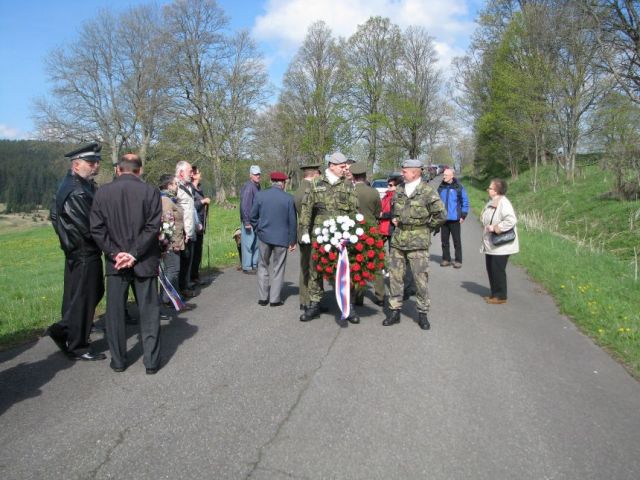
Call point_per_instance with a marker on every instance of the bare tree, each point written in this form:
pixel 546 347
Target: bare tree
pixel 88 103
pixel 243 91
pixel 619 35
pixel 313 91
pixel 414 104
pixel 372 54
pixel 195 34
pixel 578 82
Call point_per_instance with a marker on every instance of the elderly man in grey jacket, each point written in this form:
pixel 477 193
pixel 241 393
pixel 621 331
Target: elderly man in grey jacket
pixel 273 218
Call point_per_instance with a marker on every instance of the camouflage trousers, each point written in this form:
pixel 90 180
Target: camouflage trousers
pixel 419 264
pixel 305 268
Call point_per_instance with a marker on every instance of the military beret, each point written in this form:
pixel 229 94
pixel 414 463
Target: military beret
pixel 337 158
pixel 310 167
pixel 89 153
pixel 278 177
pixel 412 163
pixel 358 168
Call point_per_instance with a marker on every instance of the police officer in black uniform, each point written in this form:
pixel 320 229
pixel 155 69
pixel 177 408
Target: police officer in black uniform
pixel 83 278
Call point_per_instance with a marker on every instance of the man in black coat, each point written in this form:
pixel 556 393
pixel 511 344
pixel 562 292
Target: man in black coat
pixel 83 282
pixel 125 222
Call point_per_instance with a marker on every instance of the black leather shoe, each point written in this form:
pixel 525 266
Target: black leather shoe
pixel 276 304
pixel 152 371
pixel 263 302
pixel 311 312
pixel 353 318
pixel 87 357
pixel 392 318
pixel 57 338
pixel 423 321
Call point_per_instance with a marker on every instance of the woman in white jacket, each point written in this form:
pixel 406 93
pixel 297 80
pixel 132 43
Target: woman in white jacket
pixel 498 217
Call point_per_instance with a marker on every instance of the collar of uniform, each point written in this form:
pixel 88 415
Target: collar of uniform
pixel 410 187
pixel 331 178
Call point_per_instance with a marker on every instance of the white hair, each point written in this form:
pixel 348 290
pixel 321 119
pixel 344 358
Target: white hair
pixel 181 166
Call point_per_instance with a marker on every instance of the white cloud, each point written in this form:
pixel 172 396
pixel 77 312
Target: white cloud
pixel 285 23
pixel 10 133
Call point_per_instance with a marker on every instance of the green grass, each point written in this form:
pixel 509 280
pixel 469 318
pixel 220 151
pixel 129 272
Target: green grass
pixel 32 267
pixel 580 248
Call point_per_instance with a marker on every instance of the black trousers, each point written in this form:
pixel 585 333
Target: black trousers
pixel 197 257
pixel 83 290
pixel 451 227
pixel 186 259
pixel 146 289
pixel 497 271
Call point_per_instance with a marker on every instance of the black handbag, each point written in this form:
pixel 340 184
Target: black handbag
pixel 504 237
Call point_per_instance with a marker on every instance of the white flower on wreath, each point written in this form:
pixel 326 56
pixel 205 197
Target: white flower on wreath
pixel 327 247
pixel 346 235
pixel 326 223
pixel 317 231
pixel 359 217
pixel 353 239
pixel 320 239
pixel 332 228
pixel 359 231
pixel 325 232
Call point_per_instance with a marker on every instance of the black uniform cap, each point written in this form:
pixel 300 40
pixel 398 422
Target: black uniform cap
pixel 89 153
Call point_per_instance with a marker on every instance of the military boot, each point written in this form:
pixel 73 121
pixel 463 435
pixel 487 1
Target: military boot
pixel 310 312
pixel 392 318
pixel 423 321
pixel 353 316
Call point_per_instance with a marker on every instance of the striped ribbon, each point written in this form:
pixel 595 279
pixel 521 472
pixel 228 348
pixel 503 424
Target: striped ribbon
pixel 343 282
pixel 172 293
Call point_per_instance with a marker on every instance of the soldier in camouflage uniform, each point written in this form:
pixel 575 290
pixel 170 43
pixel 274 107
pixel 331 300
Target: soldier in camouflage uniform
pixel 310 172
pixel 329 195
pixel 416 212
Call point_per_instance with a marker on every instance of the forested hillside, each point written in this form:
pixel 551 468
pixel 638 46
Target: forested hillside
pixel 29 173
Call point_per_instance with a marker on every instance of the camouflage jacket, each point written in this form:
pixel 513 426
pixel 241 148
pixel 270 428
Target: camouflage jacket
pixel 324 201
pixel 417 217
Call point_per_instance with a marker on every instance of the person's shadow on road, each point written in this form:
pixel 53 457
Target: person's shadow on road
pixel 25 379
pixel 475 288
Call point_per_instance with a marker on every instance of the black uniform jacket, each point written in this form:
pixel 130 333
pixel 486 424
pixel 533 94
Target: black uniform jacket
pixel 126 217
pixel 69 215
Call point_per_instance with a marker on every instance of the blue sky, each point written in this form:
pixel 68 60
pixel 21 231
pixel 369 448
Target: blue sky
pixel 29 29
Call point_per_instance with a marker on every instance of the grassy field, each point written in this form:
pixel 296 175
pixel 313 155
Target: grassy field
pixel 32 266
pixel 580 247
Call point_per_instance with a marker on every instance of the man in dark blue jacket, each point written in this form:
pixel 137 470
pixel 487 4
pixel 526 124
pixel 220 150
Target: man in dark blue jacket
pixel 273 219
pixel 456 201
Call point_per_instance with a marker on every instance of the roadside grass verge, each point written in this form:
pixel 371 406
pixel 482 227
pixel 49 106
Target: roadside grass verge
pixel 32 270
pixel 565 246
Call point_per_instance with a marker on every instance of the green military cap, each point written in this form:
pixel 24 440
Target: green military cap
pixel 314 166
pixel 412 163
pixel 358 168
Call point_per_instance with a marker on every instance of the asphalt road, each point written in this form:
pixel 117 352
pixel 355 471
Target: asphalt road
pixel 510 391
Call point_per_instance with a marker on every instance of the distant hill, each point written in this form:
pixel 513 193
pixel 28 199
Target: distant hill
pixel 30 171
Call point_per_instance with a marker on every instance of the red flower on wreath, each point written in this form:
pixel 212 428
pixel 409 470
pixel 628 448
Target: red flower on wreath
pixel 364 244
